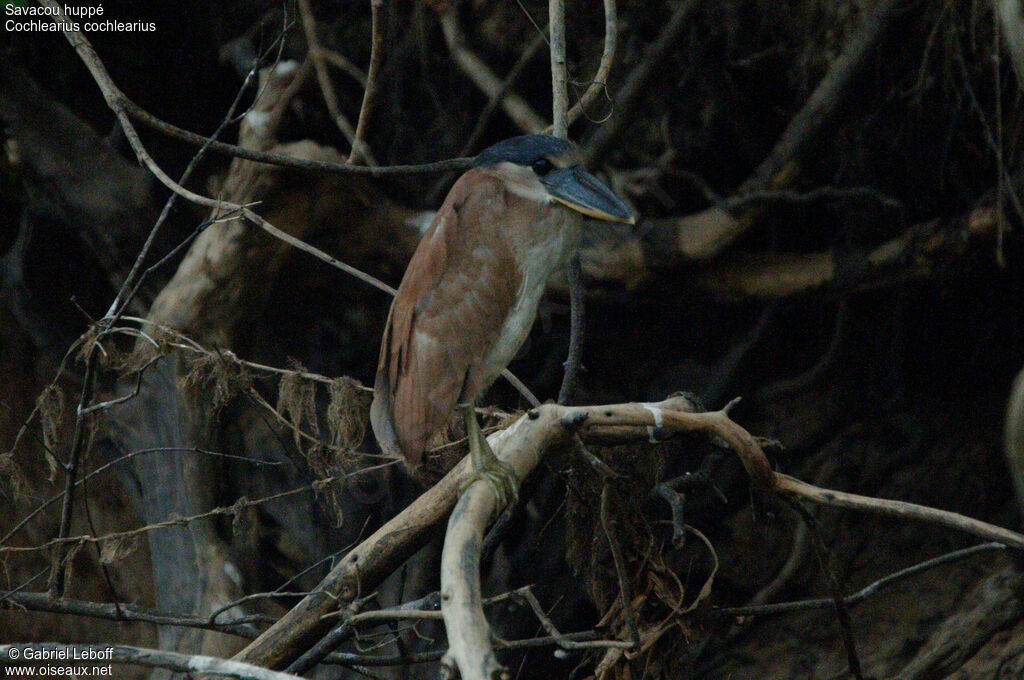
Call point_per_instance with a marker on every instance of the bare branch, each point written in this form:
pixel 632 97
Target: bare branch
pixel 175 521
pixel 122 611
pixel 599 83
pixel 481 74
pixel 148 119
pixel 323 77
pixel 359 147
pixel 635 84
pixel 625 585
pixel 342 63
pixel 469 635
pixel 908 256
pixel 902 509
pixel 559 87
pixel 57 577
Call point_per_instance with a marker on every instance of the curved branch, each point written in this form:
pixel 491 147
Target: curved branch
pixel 883 506
pixel 359 147
pixel 600 81
pixel 364 568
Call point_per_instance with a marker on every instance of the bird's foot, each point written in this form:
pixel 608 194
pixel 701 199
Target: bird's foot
pixel 500 476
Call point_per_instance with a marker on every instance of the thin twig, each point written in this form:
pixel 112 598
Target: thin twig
pixel 175 521
pixel 1013 440
pixel 577 320
pixel 635 84
pixel 625 583
pixel 57 577
pixel 148 119
pixel 599 83
pixel 838 600
pixel 359 147
pixel 862 594
pixel 71 351
pixel 827 193
pixel 902 509
pixel 120 459
pixel 122 611
pixel 322 649
pixel 342 63
pixel 322 76
pixel 130 286
pixel 561 640
pixel 348 659
pixel 559 79
pixel 103 405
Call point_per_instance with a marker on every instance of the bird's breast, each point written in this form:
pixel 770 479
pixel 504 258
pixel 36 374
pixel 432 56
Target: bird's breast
pixel 537 263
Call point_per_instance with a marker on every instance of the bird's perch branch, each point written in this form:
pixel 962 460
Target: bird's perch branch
pixel 522 445
pixel 365 567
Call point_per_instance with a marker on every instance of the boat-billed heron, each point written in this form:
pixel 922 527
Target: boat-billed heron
pixel 470 294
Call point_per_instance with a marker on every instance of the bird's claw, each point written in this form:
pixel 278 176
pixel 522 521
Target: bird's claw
pixel 500 476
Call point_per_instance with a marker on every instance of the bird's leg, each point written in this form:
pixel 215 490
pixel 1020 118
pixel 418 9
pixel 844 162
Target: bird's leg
pixel 486 465
pixel 577 315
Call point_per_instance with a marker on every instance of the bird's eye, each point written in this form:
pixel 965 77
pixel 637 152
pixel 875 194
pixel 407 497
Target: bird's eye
pixel 542 166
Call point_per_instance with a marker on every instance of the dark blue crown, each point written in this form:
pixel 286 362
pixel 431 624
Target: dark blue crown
pixel 523 150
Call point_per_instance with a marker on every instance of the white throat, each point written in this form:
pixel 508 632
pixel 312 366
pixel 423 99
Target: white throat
pixel 521 181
